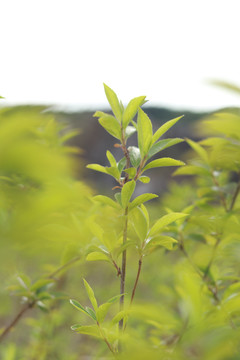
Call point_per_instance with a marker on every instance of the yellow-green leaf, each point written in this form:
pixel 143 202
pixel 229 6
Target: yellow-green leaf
pixel 113 102
pixel 144 132
pixel 163 162
pixel 164 128
pixel 132 109
pixel 164 221
pixel 91 295
pixel 127 192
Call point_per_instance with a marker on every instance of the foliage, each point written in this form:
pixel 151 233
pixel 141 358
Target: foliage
pixel 176 260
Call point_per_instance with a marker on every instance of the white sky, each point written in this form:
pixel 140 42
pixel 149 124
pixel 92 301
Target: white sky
pixel 60 52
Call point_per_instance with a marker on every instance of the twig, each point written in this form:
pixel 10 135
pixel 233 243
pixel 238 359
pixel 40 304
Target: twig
pixel 124 264
pixel 30 305
pixel 16 320
pixel 136 281
pixel 235 195
pixel 105 339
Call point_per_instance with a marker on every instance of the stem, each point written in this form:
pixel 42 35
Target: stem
pixel 136 281
pixel 222 197
pixel 70 262
pixel 105 339
pixel 235 195
pixel 211 259
pixel 31 304
pixel 124 263
pixel 16 320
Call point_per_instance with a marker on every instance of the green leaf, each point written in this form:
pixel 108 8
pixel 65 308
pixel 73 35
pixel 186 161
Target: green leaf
pixel 1 97
pixel 139 221
pixel 162 240
pixel 164 128
pixel 106 200
pixel 115 298
pixel 226 85
pixel 119 316
pixel 164 221
pixel 130 130
pixel 78 306
pixel 97 256
pixel 199 150
pixel 40 284
pixel 91 295
pixel 118 198
pixel 111 159
pixel 111 125
pixel 91 313
pixel 192 170
pixel 113 102
pixel 24 281
pixel 102 312
pixel 131 172
pixel 135 156
pixel 141 199
pixel 144 132
pixel 100 114
pixel 132 109
pixel 87 330
pixel 121 164
pixel 163 144
pixel 126 193
pixel 144 179
pixel 114 172
pixel 163 162
pixel 97 167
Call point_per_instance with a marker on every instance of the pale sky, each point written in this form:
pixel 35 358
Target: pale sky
pixel 61 52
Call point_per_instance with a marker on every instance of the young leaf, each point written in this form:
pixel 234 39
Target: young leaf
pixel 111 125
pixel 135 156
pixel 127 192
pixel 97 256
pixel 106 200
pixel 24 281
pixel 141 199
pixel 132 109
pixel 113 102
pixel 114 172
pixel 40 284
pixel 161 145
pixel 144 132
pixel 91 295
pixel 91 313
pixel 119 316
pixel 164 221
pixel 130 130
pixel 131 172
pixel 164 128
pixel 97 167
pixel 118 198
pixel 78 306
pixel 199 150
pixel 121 164
pixel 192 170
pixel 139 222
pixel 102 312
pixel 162 240
pixel 111 159
pixel 87 330
pixel 144 179
pixel 163 162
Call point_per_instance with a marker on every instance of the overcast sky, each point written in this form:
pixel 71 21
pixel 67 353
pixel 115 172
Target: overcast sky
pixel 60 52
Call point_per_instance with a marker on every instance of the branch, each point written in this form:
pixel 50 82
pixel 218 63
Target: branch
pixel 16 320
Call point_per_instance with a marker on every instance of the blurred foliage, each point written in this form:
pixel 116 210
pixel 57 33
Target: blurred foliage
pixel 187 304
